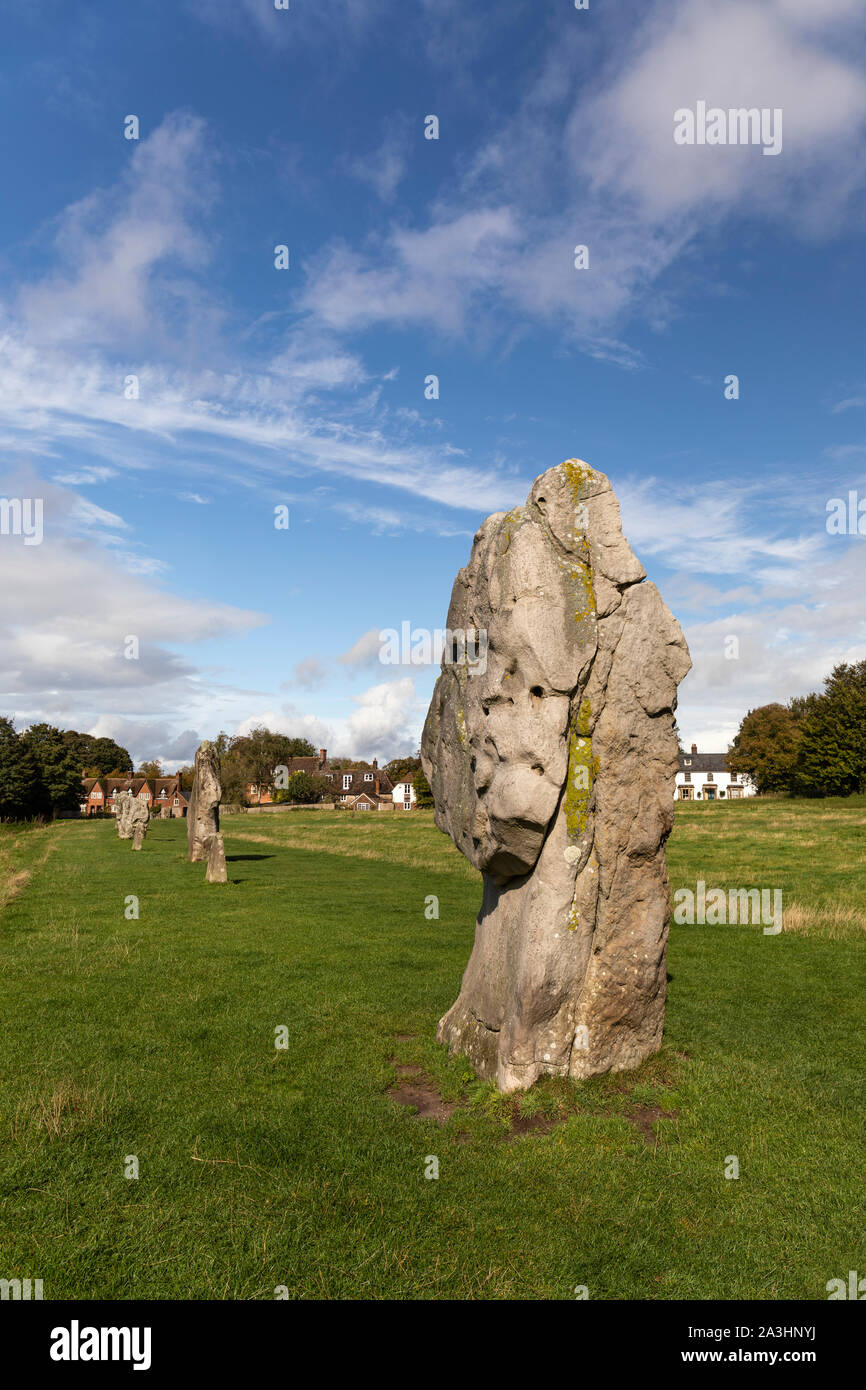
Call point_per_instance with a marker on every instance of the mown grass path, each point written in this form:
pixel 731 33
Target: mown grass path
pixel 260 1168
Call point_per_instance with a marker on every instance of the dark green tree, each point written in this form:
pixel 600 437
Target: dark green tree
pixel 109 757
pixel 402 769
pixel 301 788
pixel 21 795
pixel 767 747
pixel 831 759
pixel 423 794
pixel 59 771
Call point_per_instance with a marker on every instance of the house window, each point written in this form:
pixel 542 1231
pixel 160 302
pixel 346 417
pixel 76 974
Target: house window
pixel 347 780
pixel 362 806
pixel 407 805
pixel 733 776
pixel 687 762
pixel 687 776
pixel 368 776
pixel 177 801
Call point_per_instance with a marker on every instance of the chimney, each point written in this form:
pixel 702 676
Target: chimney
pixel 323 756
pixel 377 781
pixel 694 749
pixel 375 762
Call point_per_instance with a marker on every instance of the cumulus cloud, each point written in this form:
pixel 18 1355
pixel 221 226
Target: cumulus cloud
pixel 149 740
pixel 599 158
pixel 386 723
pixel 69 605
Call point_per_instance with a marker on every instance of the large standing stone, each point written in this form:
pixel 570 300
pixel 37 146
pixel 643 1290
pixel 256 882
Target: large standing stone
pixel 216 861
pixel 203 816
pixel 553 770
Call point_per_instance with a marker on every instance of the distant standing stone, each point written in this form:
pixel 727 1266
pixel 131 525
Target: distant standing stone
pixel 203 817
pixel 121 815
pixel 136 819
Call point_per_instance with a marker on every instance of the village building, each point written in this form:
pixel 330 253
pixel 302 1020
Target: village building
pixel 316 766
pixel 403 796
pixel 160 794
pixel 363 789
pixel 358 789
pixel 707 777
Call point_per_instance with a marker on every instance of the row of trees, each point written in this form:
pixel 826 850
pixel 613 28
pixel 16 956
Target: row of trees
pixel 41 769
pixel 815 745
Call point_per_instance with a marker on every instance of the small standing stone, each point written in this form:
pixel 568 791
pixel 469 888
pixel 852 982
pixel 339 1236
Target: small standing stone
pixel 136 817
pixel 216 861
pixel 121 812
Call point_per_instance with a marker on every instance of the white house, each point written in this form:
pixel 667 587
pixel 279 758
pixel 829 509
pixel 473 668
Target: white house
pixel 705 777
pixel 403 796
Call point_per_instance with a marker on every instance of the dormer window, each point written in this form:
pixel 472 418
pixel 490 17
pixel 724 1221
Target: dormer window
pixel 687 762
pixel 347 780
pixel 368 776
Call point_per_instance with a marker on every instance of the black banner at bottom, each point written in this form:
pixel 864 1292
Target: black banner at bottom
pixel 152 1338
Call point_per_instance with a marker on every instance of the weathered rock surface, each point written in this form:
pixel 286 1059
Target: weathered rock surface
pixel 216 861
pixel 136 818
pixel 122 809
pixel 203 816
pixel 553 772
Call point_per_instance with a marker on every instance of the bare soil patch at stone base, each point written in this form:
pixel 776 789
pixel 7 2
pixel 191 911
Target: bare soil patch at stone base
pixel 421 1092
pixel 645 1117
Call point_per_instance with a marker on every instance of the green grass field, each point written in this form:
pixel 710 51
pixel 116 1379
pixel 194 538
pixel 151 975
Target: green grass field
pixel 261 1168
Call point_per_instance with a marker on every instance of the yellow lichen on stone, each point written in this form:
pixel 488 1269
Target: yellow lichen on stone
pixel 582 772
pixel 581 576
pixel 578 474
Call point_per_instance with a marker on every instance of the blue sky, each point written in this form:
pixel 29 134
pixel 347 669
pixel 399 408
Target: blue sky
pixel 408 256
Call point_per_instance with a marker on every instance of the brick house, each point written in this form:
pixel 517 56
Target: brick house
pixel 159 794
pixel 362 789
pixel 316 766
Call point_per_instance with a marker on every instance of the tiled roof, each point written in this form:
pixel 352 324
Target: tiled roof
pixel 359 782
pixel 703 762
